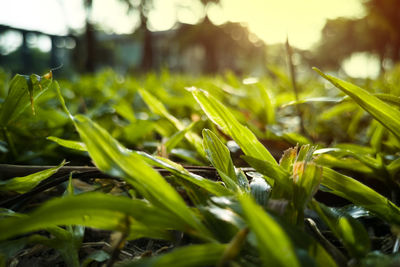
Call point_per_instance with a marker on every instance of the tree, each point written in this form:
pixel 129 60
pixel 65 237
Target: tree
pixel 143 7
pixel 339 39
pixel 378 32
pixel 385 19
pixel 90 39
pixel 227 46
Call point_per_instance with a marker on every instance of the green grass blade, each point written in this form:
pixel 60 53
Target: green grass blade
pixel 394 167
pixel 222 116
pixel 178 170
pixel 158 108
pixel 307 178
pixel 356 148
pixel 219 156
pixel 344 163
pixel 360 195
pixel 95 210
pixel 22 93
pixel 24 184
pixel 273 243
pixel 388 98
pixel 270 115
pixel 279 175
pixel 176 138
pixel 193 256
pixel 363 158
pixel 387 115
pixel 114 159
pixel 348 230
pixel 124 109
pixel 68 143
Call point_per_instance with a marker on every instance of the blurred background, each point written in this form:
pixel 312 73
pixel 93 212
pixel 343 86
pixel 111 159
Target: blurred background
pixel 357 38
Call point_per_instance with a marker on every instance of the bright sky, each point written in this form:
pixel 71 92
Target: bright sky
pixel 271 20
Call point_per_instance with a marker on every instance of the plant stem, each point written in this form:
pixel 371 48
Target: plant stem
pixel 289 53
pixel 120 244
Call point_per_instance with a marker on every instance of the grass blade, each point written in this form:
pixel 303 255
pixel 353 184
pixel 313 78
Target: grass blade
pixel 158 108
pixel 22 93
pixel 68 143
pixel 219 156
pixel 178 170
pixel 94 210
pixel 360 195
pixel 387 115
pixel 221 116
pixel 176 138
pixel 273 244
pixel 24 184
pixel 193 255
pixel 114 159
pixel 347 229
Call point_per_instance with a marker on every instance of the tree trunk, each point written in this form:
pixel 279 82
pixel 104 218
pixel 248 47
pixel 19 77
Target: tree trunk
pixel 90 40
pixel 147 57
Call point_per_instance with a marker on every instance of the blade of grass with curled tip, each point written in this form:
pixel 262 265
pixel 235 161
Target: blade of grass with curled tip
pixel 387 115
pixel 222 116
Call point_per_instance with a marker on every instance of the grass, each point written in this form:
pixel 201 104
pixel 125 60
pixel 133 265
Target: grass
pixel 273 214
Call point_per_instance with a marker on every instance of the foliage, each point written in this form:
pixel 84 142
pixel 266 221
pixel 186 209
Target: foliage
pixel 272 214
pixel 376 32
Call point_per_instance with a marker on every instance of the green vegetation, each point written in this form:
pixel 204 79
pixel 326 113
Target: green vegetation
pixel 153 139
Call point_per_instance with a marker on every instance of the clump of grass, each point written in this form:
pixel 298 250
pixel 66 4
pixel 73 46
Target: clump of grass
pixel 269 214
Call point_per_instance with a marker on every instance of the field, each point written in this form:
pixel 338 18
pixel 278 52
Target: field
pixel 172 170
